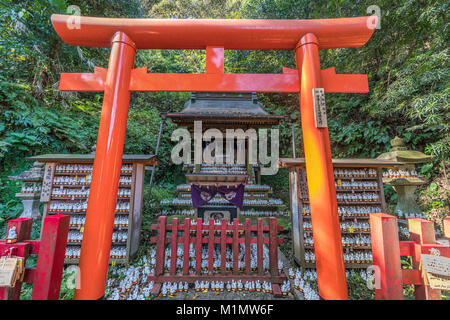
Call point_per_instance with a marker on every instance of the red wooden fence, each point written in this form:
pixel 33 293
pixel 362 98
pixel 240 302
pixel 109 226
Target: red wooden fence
pixel 387 250
pixel 46 277
pixel 233 235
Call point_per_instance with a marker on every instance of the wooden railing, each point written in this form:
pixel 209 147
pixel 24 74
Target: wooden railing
pixel 223 234
pixel 387 250
pixel 46 277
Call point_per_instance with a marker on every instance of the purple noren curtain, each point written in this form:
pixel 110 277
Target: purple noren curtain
pixel 201 195
pixel 233 194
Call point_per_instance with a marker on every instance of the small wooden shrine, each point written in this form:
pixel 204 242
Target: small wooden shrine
pixel 359 192
pixel 225 111
pixel 65 190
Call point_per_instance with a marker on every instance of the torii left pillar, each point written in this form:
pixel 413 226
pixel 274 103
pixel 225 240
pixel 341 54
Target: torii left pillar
pixel 96 244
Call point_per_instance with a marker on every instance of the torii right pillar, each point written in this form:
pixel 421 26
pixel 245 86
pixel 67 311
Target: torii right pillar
pixel 319 170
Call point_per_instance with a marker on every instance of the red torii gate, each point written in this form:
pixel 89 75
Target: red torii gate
pixel 125 36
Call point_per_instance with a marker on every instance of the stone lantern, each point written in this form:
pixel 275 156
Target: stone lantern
pixel 404 179
pixel 30 193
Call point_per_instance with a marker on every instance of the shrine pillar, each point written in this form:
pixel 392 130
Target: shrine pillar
pixel 322 193
pixel 96 244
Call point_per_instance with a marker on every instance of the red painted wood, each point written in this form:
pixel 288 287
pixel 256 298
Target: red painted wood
pixel 29 275
pixel 102 200
pixel 273 247
pixel 235 246
pixel 323 205
pixel 214 60
pixel 20 250
pixel 446 223
pixel 406 248
pixel 23 228
pixel 260 246
pixel 187 238
pixel 211 246
pixel 422 242
pixel 422 233
pixel 333 82
pixel 223 246
pixel 173 82
pixel 247 246
pixel 160 245
pixel 35 244
pixel 234 34
pixel 217 240
pixel 386 256
pixel 444 251
pixel 206 227
pixel 50 263
pixel 276 291
pixel 231 34
pixel 208 237
pixel 198 247
pixel 156 287
pixel 412 276
pixel 4 248
pixel 173 255
pixel 214 81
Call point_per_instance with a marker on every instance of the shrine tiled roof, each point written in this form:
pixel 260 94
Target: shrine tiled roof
pixel 243 108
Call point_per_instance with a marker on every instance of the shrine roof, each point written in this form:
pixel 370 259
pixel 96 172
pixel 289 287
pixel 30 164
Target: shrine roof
pixel 214 178
pixel 224 108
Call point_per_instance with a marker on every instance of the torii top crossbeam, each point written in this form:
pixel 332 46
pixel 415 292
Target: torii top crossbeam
pixel 215 36
pixel 234 34
pixel 125 36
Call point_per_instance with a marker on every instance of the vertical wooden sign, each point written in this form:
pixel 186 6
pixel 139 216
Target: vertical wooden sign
pixel 47 182
pixel 320 109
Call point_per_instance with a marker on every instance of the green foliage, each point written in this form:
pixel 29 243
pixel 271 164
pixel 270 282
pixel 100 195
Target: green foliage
pixel 68 283
pixel 189 9
pixel 10 206
pixel 435 200
pixel 66 292
pixel 357 288
pixel 278 184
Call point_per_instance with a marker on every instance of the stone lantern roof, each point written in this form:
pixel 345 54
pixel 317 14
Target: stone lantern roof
pixel 400 153
pixel 35 174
